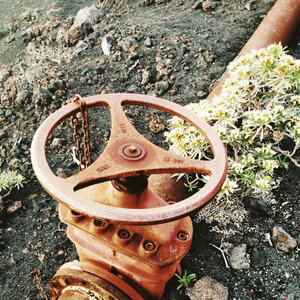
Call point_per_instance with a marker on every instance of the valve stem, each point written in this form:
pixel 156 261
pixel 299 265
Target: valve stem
pixel 131 185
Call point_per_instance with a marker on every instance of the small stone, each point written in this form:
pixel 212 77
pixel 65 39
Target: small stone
pixel 22 97
pixel 148 2
pixel 239 258
pixel 161 87
pixel 207 289
pixel 56 142
pixel 197 4
pixel 46 94
pixel 61 173
pixel 201 94
pixel 35 31
pixel 145 77
pixel 81 46
pixel 38 245
pixel 208 5
pixel 3 31
pixel 8 113
pixel 201 62
pixel 15 163
pixel 258 259
pixel 46 220
pixel 14 207
pixel 168 62
pixel 257 206
pixel 235 239
pixel 282 240
pixel 133 88
pixel 27 36
pixel 25 166
pixel 172 92
pixel 25 251
pixel 133 55
pixel 156 126
pixel 252 241
pixel 10 38
pixel 106 45
pixel 17 152
pixel 61 36
pixel 60 252
pixel 83 23
pixel 4 75
pixel 27 15
pixel 209 58
pixel 3 153
pixel 55 84
pixel 59 93
pixel 12 261
pixel 250 4
pixel 148 42
pixel 128 44
pixel 41 257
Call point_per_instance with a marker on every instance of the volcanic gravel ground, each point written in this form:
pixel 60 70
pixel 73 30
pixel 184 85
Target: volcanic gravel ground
pixel 171 49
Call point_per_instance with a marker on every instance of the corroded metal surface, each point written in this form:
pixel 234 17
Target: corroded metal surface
pixel 112 164
pixel 84 281
pixel 131 240
pixel 146 257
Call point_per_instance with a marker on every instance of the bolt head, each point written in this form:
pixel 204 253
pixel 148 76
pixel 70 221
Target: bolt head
pixel 132 151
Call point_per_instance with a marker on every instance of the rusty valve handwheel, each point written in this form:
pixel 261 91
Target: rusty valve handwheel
pixel 127 154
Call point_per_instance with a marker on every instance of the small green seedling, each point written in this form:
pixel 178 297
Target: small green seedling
pixel 185 280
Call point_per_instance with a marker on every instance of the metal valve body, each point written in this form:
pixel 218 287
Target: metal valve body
pixel 145 257
pixel 130 240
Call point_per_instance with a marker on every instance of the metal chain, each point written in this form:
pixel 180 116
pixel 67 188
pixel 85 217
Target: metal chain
pixel 86 151
pixel 37 274
pixel 80 153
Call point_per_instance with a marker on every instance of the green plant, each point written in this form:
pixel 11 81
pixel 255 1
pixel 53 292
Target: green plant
pixel 9 180
pixel 185 280
pixel 256 115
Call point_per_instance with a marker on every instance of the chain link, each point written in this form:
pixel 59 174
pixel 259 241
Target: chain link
pixel 37 274
pixel 84 152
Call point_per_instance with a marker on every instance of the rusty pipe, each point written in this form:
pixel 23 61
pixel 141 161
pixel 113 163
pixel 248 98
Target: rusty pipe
pixel 277 26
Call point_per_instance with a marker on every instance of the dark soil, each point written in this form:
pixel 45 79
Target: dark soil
pixel 189 49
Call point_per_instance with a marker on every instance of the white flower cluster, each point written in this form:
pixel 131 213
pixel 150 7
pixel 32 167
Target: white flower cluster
pixel 8 180
pixel 258 108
